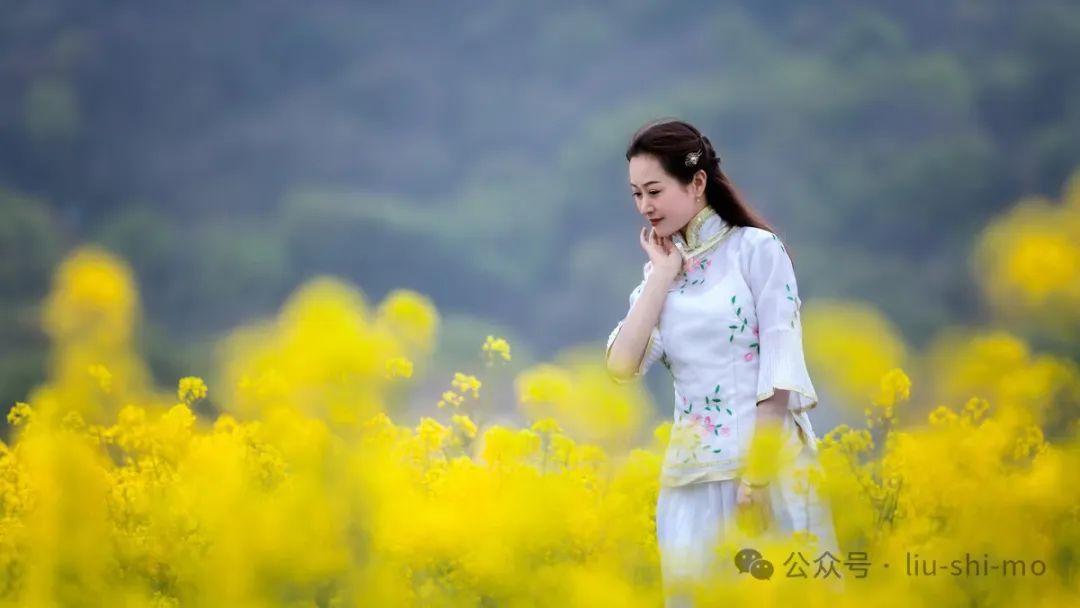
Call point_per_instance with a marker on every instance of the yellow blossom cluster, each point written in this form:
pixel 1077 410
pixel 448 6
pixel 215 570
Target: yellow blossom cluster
pixel 399 367
pixel 493 347
pixel 464 383
pixel 327 352
pixel 191 389
pixel 1028 261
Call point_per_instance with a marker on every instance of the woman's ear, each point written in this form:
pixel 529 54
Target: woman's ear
pixel 700 180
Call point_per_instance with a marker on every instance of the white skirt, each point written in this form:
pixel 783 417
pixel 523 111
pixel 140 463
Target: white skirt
pixel 698 536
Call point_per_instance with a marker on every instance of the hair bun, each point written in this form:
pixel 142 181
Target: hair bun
pixel 710 152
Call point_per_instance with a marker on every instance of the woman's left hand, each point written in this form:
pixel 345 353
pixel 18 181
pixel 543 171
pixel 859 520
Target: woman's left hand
pixel 754 502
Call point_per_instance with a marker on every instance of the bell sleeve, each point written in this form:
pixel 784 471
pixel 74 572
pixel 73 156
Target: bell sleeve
pixel 654 349
pixel 781 363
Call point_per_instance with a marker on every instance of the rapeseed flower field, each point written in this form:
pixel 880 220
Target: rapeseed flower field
pixel 305 486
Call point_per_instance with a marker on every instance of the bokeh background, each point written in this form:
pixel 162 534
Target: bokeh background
pixel 919 160
pixel 474 152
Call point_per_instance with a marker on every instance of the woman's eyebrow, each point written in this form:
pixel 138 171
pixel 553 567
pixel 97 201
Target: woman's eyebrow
pixel 655 181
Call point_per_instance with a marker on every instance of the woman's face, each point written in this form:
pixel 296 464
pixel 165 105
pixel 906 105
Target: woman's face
pixel 665 203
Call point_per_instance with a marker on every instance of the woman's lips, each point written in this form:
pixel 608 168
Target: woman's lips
pixel 656 221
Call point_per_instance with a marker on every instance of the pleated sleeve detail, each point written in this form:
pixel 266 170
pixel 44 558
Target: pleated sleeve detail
pixel 782 363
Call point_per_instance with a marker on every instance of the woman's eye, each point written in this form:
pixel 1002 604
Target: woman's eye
pixel 654 192
pixel 636 194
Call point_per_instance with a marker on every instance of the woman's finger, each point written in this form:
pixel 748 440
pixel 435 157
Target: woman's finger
pixel 742 497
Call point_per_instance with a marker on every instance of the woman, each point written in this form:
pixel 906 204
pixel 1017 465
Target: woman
pixel 719 307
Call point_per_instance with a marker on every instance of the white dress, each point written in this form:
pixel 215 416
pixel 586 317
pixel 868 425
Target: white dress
pixel 730 334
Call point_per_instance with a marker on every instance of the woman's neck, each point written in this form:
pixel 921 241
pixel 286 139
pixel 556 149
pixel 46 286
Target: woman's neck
pixel 695 222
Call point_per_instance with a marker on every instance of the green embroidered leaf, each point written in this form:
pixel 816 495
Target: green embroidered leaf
pixel 729 412
pixel 717 389
pixel 717 450
pixel 731 338
pixel 732 299
pixel 733 326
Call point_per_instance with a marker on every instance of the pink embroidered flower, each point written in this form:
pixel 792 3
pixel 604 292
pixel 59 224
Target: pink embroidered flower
pixel 689 263
pixel 748 356
pixel 755 330
pixel 709 426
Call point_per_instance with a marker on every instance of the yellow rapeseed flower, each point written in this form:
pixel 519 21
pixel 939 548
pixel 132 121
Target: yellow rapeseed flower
pixel 20 413
pixel 849 347
pixel 73 421
pixel 463 422
pixel 975 408
pixel 496 346
pixel 942 416
pixel 895 387
pixel 1028 259
pixel 546 425
pixel 432 434
pixel 191 389
pixel 450 398
pixel 765 457
pixel 93 297
pixel 399 367
pixel 102 375
pixel 466 383
pixel 410 316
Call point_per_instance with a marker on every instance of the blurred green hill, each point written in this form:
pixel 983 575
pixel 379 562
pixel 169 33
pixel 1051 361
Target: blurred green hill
pixel 474 152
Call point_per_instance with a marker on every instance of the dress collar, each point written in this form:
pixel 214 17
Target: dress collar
pixel 703 231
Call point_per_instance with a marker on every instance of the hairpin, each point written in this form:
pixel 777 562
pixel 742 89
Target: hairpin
pixel 692 158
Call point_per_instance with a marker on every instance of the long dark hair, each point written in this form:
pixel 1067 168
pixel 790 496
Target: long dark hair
pixel 670 141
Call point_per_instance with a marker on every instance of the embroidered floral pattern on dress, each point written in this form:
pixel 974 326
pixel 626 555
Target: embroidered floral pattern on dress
pixel 706 424
pixel 692 438
pixel 754 345
pixel 795 303
pixel 738 315
pixel 710 402
pixel 791 295
pixel 693 273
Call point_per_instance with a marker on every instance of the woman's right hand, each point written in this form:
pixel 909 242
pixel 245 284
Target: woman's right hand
pixel 665 257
